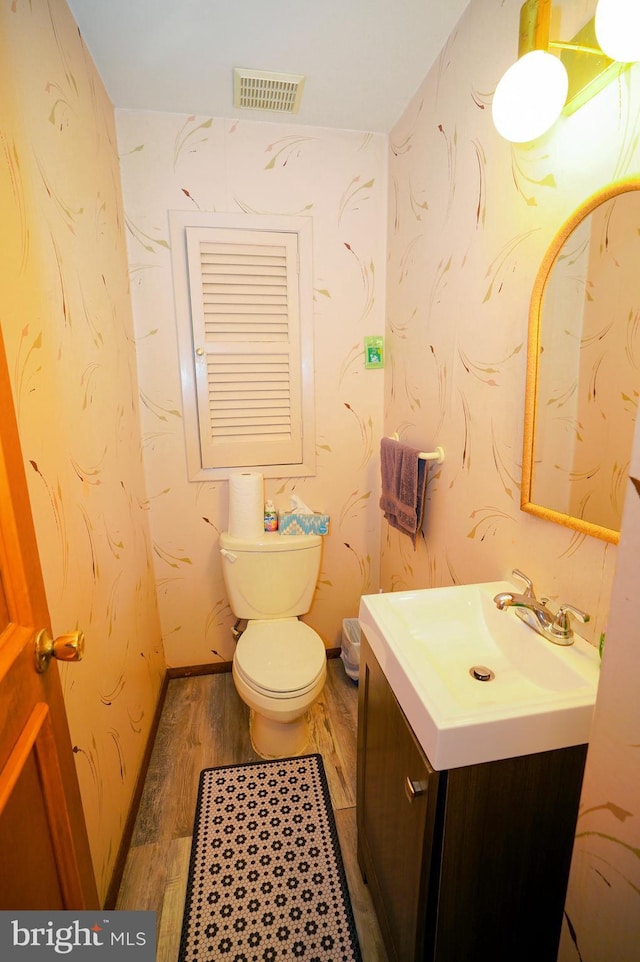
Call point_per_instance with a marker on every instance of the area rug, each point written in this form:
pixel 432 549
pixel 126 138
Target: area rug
pixel 266 878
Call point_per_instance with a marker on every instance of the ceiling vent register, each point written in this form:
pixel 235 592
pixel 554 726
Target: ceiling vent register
pixel 265 90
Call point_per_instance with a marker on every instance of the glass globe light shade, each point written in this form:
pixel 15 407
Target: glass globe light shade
pixel 530 96
pixel 618 29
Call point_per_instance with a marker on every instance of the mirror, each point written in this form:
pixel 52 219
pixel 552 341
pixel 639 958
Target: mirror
pixel 583 367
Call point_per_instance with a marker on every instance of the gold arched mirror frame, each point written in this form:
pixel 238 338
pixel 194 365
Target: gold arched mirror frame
pixel 534 353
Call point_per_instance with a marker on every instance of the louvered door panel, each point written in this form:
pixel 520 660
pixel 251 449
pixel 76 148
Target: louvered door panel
pixel 244 301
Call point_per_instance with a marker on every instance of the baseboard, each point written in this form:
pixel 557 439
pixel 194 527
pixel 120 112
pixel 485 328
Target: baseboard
pixel 186 671
pixel 127 835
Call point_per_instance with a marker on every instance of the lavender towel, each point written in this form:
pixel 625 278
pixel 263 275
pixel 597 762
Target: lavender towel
pixel 404 476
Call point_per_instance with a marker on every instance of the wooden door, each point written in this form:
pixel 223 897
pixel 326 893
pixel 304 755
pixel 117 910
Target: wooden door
pixel 44 851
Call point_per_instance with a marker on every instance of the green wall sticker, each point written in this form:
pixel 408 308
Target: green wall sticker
pixel 374 351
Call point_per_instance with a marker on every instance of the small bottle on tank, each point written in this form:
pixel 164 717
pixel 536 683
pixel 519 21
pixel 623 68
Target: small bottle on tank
pixel 270 517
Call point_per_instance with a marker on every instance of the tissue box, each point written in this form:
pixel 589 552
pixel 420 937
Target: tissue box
pixel 292 522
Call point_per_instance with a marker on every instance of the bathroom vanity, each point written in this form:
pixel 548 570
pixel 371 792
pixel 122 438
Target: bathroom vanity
pixel 464 859
pixel 470 863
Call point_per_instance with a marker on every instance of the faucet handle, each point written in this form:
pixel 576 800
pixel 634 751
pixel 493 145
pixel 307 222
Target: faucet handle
pixel 529 591
pixel 562 624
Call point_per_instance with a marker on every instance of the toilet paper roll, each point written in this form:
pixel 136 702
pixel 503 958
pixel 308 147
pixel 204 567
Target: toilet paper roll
pixel 246 505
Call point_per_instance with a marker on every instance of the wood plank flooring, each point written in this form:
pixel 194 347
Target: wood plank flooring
pixel 204 723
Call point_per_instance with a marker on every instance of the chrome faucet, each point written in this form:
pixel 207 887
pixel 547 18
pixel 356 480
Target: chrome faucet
pixel 556 628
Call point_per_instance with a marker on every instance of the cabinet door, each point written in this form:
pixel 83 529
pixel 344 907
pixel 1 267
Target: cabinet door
pixel 396 803
pixel 508 830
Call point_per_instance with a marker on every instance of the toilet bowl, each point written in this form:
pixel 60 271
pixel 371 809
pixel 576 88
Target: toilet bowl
pixel 279 670
pixel 279 666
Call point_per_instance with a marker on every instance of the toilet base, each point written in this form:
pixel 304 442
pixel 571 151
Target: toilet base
pixel 279 727
pixel 275 739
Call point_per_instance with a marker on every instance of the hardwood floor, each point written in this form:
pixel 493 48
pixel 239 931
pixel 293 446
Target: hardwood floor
pixel 203 724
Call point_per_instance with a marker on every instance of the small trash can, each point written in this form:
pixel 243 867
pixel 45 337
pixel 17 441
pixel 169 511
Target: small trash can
pixel 350 649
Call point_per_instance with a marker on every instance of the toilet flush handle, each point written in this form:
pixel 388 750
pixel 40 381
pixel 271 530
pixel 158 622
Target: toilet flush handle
pixel 229 555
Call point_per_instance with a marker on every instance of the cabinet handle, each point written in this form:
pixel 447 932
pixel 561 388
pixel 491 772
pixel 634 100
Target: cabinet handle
pixel 413 789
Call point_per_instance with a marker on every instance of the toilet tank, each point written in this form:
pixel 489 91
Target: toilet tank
pixel 272 576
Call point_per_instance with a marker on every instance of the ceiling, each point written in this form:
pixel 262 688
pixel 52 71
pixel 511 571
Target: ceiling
pixel 362 59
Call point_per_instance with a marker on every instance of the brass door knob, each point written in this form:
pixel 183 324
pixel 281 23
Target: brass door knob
pixel 67 647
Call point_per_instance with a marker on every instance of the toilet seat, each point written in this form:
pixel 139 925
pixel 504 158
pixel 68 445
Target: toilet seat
pixel 280 658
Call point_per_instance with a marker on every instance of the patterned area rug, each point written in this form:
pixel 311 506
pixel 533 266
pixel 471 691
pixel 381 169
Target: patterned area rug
pixel 266 879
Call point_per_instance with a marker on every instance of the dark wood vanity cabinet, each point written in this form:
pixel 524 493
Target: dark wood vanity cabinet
pixel 465 864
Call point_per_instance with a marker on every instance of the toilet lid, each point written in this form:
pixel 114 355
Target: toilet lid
pixel 280 658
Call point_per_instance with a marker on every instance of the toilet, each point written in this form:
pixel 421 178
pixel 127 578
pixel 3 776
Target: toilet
pixel 279 666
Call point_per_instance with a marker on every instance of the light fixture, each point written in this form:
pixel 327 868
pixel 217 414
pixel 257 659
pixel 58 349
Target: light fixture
pixel 618 29
pixel 540 85
pixel 530 97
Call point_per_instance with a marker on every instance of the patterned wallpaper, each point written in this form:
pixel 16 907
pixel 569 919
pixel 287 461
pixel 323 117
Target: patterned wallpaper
pixel 66 320
pixel 338 179
pixel 470 219
pixel 601 912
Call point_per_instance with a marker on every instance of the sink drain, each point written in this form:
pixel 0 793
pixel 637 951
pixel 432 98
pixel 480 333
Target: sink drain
pixel 481 673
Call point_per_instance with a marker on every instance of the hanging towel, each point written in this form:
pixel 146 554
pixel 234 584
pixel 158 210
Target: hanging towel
pixel 404 476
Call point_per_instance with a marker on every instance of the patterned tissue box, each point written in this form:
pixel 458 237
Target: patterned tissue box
pixel 292 522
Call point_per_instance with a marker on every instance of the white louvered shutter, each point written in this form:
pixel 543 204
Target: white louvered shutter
pixel 246 330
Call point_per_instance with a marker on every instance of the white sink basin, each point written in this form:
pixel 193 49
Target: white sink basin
pixel 540 696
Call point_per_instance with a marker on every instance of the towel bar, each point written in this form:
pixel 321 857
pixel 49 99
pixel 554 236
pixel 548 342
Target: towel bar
pixel 437 455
